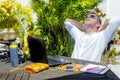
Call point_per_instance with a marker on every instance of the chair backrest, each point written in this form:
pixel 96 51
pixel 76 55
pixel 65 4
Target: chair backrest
pixel 107 52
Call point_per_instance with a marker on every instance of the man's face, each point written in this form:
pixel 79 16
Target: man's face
pixel 92 23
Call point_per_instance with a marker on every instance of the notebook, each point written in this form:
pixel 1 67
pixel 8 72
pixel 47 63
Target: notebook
pixel 93 68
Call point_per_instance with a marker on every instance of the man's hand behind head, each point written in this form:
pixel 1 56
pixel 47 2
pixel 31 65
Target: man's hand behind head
pixel 106 22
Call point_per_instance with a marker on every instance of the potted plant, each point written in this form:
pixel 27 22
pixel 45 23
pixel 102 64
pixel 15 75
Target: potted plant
pixel 16 17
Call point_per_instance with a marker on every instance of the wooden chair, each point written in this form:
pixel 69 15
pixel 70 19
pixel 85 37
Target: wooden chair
pixel 107 52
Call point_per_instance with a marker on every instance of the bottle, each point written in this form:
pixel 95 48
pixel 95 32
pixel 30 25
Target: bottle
pixel 14 54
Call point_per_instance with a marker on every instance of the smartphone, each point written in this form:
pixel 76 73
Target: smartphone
pixel 70 68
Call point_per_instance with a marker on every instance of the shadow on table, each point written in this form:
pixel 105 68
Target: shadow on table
pixel 88 76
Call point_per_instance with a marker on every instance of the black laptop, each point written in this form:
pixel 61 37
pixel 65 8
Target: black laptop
pixel 38 52
pixel 56 60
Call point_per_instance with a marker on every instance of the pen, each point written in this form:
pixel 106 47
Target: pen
pixel 92 68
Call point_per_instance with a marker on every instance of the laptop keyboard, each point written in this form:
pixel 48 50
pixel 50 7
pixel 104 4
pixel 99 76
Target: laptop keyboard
pixel 55 61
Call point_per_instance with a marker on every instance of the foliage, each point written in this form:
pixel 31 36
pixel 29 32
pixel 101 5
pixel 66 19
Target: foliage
pixel 14 15
pixel 113 53
pixel 51 17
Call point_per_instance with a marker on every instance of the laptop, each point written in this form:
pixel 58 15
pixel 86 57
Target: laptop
pixel 56 60
pixel 38 52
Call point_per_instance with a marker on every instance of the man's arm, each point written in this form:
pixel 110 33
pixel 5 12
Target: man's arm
pixel 76 24
pixel 81 27
pixel 112 27
pixel 72 29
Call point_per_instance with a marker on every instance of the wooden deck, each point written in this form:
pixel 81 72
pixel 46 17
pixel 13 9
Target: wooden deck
pixel 9 73
pixel 19 75
pixel 51 74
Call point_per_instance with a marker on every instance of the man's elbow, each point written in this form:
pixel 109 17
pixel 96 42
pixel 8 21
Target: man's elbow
pixel 67 22
pixel 115 20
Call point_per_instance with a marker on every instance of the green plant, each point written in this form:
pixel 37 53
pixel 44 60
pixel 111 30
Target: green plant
pixel 113 53
pixel 17 17
pixel 51 17
pixel 14 15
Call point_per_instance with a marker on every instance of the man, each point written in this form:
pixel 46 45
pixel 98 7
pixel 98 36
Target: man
pixel 90 44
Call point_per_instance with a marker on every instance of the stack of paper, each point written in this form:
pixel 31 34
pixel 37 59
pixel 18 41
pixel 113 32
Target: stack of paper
pixel 93 68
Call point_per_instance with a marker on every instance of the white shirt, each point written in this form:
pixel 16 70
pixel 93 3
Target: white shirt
pixel 91 46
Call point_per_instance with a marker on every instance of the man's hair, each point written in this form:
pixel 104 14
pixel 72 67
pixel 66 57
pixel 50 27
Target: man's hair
pixel 93 12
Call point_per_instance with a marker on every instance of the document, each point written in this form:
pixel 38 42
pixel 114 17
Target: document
pixel 93 68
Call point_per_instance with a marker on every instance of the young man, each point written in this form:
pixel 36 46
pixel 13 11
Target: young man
pixel 90 43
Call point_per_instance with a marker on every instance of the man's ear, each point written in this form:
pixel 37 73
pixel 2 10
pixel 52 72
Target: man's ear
pixel 98 25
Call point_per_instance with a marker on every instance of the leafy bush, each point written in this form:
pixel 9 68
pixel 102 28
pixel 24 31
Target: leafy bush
pixel 51 17
pixel 17 17
pixel 14 15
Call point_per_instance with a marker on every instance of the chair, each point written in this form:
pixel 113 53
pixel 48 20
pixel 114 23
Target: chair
pixel 107 52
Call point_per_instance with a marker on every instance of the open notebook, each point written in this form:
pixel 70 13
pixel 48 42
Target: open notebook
pixel 93 68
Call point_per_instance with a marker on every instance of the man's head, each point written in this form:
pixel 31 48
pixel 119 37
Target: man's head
pixel 92 22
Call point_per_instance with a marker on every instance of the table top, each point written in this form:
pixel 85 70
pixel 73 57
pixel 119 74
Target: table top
pixel 52 73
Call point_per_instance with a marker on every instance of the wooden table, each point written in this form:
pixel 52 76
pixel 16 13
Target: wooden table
pixel 52 73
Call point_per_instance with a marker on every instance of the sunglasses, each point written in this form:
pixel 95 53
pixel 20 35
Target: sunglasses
pixel 91 16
